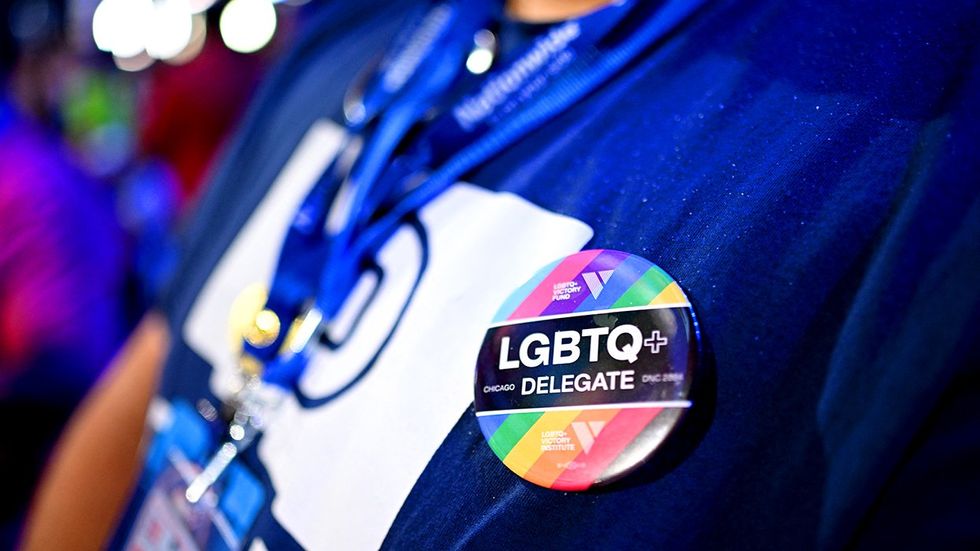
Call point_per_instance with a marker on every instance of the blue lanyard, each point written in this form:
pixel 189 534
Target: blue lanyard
pixel 316 269
pixel 381 115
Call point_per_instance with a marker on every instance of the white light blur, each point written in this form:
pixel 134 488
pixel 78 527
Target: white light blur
pixel 134 63
pixel 103 23
pixel 479 61
pixel 118 26
pixel 481 57
pixel 247 25
pixel 170 30
pixel 199 35
pixel 199 6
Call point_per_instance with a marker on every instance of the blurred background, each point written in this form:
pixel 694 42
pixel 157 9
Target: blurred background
pixel 111 113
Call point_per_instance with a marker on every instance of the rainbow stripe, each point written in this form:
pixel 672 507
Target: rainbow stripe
pixel 629 286
pixel 587 441
pixel 517 440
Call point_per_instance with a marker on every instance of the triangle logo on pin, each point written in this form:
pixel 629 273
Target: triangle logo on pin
pixel 596 281
pixel 587 432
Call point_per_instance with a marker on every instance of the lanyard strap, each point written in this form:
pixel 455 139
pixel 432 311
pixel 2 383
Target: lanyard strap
pixel 380 116
pixel 318 269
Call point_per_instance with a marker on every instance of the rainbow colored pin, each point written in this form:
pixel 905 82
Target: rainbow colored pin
pixel 586 369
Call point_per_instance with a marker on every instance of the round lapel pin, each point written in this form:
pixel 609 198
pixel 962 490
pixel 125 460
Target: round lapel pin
pixel 586 369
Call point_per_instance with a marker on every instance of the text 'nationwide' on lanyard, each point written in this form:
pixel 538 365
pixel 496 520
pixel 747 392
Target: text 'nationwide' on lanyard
pixel 346 218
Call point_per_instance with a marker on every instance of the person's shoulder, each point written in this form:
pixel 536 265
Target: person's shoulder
pixel 900 55
pixel 745 76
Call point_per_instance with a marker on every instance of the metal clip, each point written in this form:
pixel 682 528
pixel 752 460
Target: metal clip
pixel 256 402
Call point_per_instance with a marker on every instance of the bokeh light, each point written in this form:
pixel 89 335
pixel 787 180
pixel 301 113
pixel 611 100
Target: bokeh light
pixel 134 63
pixel 200 6
pixel 481 57
pixel 136 32
pixel 199 34
pixel 119 26
pixel 247 25
pixel 171 29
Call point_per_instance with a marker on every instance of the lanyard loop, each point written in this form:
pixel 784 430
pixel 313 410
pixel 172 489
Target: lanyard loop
pixel 318 269
pixel 396 98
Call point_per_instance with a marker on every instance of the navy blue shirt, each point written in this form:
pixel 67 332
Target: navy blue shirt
pixel 806 170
